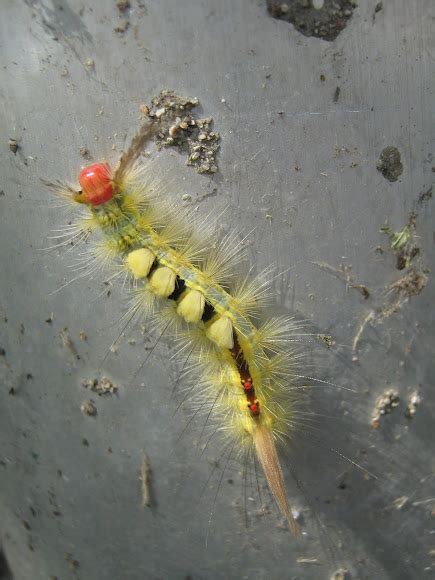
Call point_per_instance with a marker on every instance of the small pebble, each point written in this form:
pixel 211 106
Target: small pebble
pixel 88 408
pixel 123 5
pixel 13 145
pixel 173 130
pixel 89 64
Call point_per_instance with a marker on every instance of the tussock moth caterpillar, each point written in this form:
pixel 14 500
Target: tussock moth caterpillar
pixel 243 371
pixel 245 368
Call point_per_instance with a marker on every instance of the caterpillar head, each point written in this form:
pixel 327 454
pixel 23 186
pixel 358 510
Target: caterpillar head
pixel 96 183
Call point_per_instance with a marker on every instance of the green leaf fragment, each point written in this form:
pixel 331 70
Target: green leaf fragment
pixel 397 239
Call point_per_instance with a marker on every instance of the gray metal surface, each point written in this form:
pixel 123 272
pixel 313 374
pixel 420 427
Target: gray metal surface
pixel 298 163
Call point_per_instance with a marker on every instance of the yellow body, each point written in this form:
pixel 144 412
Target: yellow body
pixel 191 306
pixel 220 332
pixel 162 281
pixel 139 262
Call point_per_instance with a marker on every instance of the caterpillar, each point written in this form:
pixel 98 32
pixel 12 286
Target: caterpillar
pixel 243 369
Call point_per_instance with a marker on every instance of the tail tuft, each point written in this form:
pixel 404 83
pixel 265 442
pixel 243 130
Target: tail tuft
pixel 268 457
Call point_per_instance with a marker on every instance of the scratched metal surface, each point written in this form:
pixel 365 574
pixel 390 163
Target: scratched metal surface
pixel 298 167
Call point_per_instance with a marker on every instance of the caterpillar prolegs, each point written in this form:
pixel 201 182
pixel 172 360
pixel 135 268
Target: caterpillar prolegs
pixel 245 369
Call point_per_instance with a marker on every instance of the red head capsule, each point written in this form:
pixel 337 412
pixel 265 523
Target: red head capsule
pixel 96 183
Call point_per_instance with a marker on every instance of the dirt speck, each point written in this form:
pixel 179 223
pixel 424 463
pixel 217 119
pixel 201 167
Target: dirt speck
pixel 68 344
pixel 181 128
pixel 340 574
pixel 327 340
pixel 84 152
pixel 101 386
pixel 206 195
pixel 425 196
pixel 122 27
pixel 336 94
pixel 377 9
pixel 89 64
pixel 384 405
pixel 319 19
pixel 13 145
pixel 411 284
pixel 88 408
pixel 145 478
pixel 75 564
pixel 413 402
pixel 390 164
pixel 122 5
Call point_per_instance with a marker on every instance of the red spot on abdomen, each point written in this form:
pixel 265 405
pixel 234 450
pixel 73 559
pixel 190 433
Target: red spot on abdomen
pixel 96 183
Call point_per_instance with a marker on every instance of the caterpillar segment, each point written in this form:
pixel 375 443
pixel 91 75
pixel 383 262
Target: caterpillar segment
pixel 245 373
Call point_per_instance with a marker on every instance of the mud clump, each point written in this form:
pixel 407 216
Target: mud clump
pixel 425 196
pixel 13 145
pixel 101 386
pixel 390 164
pixel 412 284
pixel 385 404
pixel 180 127
pixel 313 17
pixel 413 403
pixel 122 5
pixel 379 6
pixel 88 408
